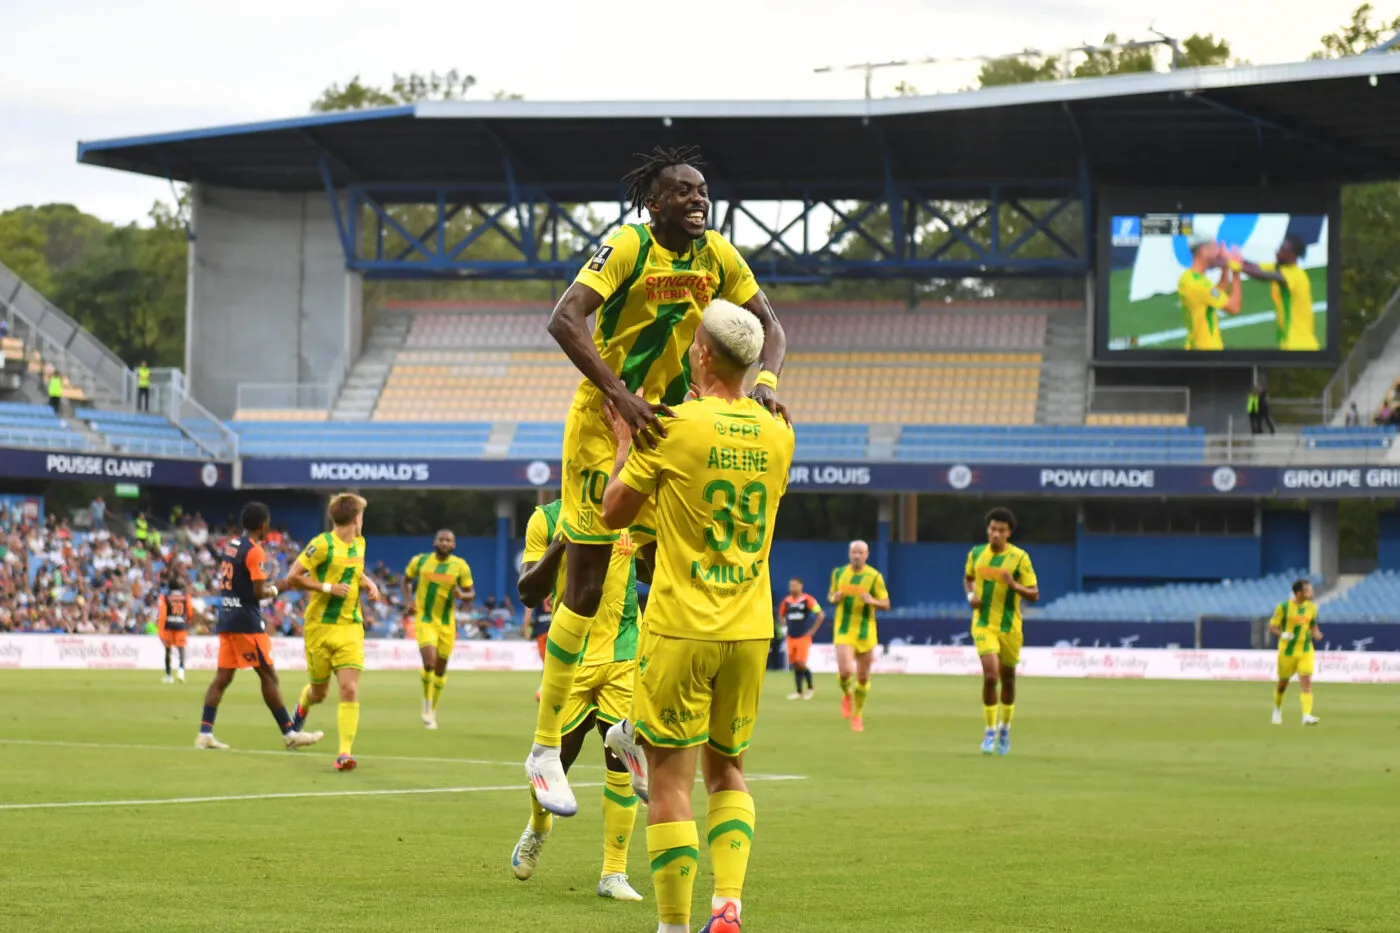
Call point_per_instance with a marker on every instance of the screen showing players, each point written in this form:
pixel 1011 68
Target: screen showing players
pixel 1202 283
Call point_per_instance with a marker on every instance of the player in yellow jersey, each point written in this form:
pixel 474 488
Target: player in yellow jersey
pixel 857 590
pixel 717 476
pixel 1295 625
pixel 331 569
pixel 998 576
pixel 442 578
pixel 647 287
pixel 1201 300
pixel 1291 290
pixel 602 694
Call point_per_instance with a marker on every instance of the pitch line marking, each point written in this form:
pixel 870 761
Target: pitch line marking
pixel 297 795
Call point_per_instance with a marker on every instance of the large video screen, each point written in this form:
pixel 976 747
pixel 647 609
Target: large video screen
pixel 1196 285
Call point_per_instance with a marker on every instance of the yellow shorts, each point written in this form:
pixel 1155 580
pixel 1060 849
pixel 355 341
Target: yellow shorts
pixel 442 637
pixel 605 689
pixel 690 692
pixel 589 452
pixel 332 647
pixel 1300 664
pixel 852 634
pixel 1005 645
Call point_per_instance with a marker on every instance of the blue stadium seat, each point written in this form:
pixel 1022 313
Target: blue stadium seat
pixel 366 439
pixel 1183 602
pixel 1052 444
pixel 1358 437
pixel 1375 599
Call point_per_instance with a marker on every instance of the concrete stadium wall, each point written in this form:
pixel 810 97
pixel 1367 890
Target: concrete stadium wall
pixel 270 299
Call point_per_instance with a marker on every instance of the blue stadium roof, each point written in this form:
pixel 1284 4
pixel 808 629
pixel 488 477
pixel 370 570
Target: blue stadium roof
pixel 1308 122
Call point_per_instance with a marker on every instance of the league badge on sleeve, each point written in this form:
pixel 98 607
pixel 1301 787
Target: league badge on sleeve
pixel 600 259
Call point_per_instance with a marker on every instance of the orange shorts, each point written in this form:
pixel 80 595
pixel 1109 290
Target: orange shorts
pixel 239 650
pixel 540 640
pixel 175 639
pixel 798 649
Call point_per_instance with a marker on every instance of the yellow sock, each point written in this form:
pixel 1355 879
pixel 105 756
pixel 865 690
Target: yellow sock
pixel 845 684
pixel 347 721
pixel 989 715
pixel 619 817
pixel 1278 699
pixel 541 821
pixel 427 684
pixel 730 833
pixel 861 692
pixel 567 633
pixel 674 849
pixel 1307 703
pixel 1008 710
pixel 439 681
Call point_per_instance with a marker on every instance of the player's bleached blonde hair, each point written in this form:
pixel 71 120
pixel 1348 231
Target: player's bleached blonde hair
pixel 736 333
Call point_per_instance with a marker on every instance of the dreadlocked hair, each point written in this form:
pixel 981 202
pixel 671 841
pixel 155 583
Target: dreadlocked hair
pixel 640 180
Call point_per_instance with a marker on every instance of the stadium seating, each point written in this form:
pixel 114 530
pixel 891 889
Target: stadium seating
pixel 281 414
pixel 814 442
pixel 1142 420
pixel 139 433
pixel 850 364
pixel 1075 445
pixel 1375 599
pixel 26 425
pixel 351 439
pixel 1176 602
pixel 1348 438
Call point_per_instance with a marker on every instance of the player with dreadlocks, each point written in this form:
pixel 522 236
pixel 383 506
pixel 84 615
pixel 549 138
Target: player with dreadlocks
pixel 647 285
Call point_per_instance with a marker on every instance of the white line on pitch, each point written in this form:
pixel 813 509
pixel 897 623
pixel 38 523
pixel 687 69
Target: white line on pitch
pixel 47 743
pixel 160 801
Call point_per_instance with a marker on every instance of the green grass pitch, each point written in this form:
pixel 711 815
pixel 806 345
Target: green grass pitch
pixel 1163 313
pixel 1124 806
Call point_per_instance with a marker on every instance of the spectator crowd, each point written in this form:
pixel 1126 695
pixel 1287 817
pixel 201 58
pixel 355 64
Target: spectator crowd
pixel 106 577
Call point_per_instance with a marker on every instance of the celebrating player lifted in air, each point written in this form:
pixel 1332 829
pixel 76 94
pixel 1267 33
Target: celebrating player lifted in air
pixel 857 590
pixel 442 578
pixel 332 569
pixel 601 697
pixel 717 475
pixel 243 641
pixel 997 577
pixel 647 287
pixel 1295 625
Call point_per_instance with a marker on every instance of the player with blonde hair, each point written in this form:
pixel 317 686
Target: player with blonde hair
pixel 331 568
pixel 717 476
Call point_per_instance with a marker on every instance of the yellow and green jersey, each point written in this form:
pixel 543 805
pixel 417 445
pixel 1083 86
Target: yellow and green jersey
pixel 1001 605
pixel 652 302
pixel 613 636
pixel 1296 620
pixel 1200 302
pixel 434 596
pixel 852 611
pixel 1293 307
pixel 717 477
pixel 330 560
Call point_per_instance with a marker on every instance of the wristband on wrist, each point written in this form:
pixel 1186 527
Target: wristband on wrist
pixel 971 597
pixel 325 587
pixel 1236 265
pixel 766 378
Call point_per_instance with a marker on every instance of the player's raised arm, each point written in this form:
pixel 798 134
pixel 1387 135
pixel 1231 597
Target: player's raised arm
pixel 623 499
pixel 770 364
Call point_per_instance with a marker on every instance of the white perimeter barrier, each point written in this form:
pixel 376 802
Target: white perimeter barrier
pixel 140 652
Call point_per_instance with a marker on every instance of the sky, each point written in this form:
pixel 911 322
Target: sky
pixel 96 69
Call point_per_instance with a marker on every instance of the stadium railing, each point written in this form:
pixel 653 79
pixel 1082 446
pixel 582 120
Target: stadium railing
pixel 1368 348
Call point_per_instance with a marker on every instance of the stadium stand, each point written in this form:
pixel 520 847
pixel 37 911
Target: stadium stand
pixel 1376 598
pixel 1178 601
pixel 139 433
pixel 27 425
pixel 1140 420
pixel 501 362
pixel 335 439
pixel 1348 438
pixel 1052 444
